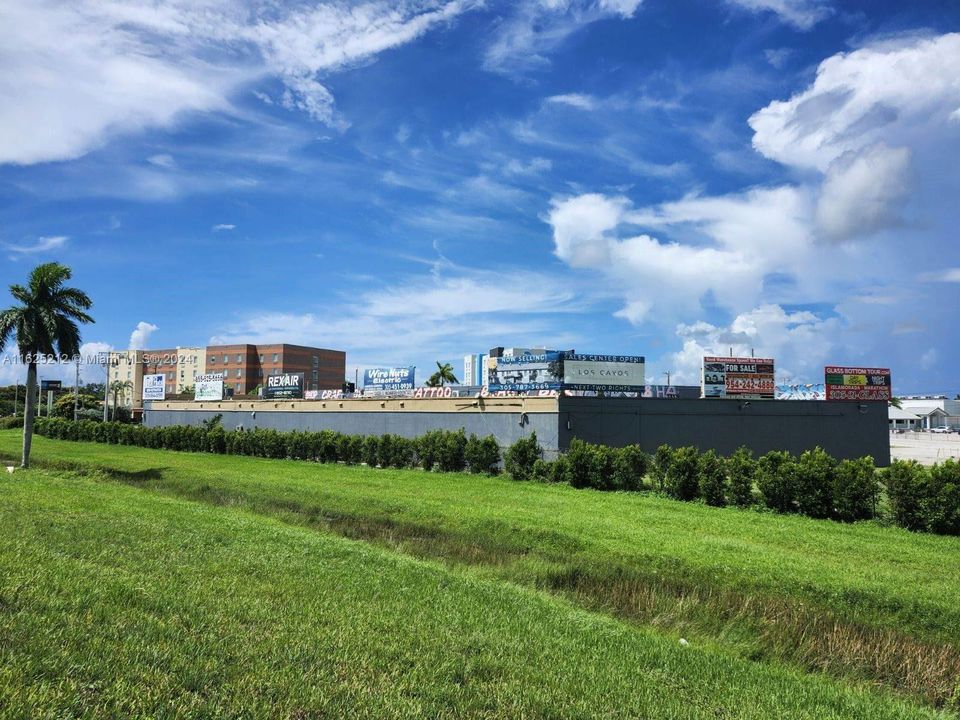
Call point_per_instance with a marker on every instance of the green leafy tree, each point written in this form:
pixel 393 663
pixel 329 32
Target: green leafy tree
pixel 63 407
pixel 443 376
pixel 118 389
pixel 44 322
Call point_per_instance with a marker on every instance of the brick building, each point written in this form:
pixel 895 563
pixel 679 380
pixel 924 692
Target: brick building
pixel 245 366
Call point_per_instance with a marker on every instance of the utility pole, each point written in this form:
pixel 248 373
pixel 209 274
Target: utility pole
pixel 667 373
pixel 76 391
pixel 106 387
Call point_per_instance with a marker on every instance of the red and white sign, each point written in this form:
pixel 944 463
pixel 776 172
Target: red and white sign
pixel 738 377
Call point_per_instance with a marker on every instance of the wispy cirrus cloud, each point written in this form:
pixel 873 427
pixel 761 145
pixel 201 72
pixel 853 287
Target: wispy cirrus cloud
pixel 427 317
pixel 78 73
pixel 537 27
pixel 801 14
pixel 42 245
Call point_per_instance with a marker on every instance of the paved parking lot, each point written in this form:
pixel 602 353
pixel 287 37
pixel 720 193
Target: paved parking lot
pixel 926 448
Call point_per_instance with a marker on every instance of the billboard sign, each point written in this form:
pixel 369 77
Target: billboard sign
pixel 401 378
pixel 603 372
pixel 746 378
pixel 208 387
pixel 853 383
pixel 525 372
pixel 284 385
pixel 47 385
pixel 154 387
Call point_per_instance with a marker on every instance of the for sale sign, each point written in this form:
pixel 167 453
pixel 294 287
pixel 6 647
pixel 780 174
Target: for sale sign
pixel 855 383
pixel 747 378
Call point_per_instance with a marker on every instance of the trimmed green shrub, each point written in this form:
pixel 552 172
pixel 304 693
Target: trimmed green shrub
pixel 428 448
pixel 661 464
pixel 681 481
pixel 483 454
pixel 777 481
pixel 521 456
pixel 560 470
pixel 540 471
pixel 815 482
pixel 451 451
pixel 371 450
pixel 855 490
pixel 580 465
pixel 908 484
pixel 630 468
pixel 742 470
pixel 712 478
pixel 941 507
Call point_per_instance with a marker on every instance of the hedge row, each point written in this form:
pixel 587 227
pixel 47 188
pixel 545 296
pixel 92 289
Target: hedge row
pixel 813 484
pixel 442 450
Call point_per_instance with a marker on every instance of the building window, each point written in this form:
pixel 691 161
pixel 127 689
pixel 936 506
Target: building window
pixel 239 357
pixel 213 359
pixel 316 375
pixel 261 357
pixel 239 372
pixel 274 357
pixel 260 372
pixel 226 358
pixel 316 361
pixel 238 387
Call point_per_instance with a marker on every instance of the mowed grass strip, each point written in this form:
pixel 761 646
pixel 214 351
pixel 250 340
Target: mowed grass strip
pixel 120 603
pixel 859 601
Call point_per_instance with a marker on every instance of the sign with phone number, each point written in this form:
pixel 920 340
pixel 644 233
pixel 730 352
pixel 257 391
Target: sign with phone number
pixel 855 383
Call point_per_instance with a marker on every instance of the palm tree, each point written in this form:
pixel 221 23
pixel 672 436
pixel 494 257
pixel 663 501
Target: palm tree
pixel 119 388
pixel 444 374
pixel 895 402
pixel 45 324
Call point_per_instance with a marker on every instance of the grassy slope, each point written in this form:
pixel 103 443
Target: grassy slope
pixel 809 592
pixel 119 602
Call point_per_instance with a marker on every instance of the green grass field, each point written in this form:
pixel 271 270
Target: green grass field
pixel 150 582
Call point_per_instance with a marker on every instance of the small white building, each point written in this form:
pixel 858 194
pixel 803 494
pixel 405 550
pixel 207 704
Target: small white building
pixel 901 419
pixel 933 410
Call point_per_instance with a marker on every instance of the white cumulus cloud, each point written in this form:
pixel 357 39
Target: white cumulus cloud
pixel 896 92
pixel 141 335
pixel 861 193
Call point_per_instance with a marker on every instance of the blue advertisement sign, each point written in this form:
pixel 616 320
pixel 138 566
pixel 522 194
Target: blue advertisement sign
pixel 526 372
pixel 402 378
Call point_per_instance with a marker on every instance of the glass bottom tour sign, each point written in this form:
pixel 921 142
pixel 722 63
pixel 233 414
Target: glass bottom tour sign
pixel 852 383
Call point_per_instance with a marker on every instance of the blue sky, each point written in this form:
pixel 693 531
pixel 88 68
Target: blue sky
pixel 414 181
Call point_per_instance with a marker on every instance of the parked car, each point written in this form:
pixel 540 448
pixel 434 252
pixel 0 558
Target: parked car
pixel 941 430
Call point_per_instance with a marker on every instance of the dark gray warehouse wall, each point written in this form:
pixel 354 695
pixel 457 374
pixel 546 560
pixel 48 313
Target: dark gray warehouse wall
pixel 843 429
pixel 505 427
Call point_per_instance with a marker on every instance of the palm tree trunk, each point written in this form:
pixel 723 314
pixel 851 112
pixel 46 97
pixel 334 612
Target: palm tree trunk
pixel 28 410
